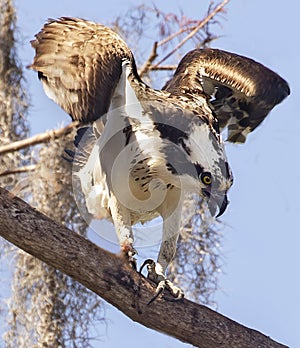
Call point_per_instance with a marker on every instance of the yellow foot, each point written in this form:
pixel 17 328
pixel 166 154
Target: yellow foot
pixel 156 274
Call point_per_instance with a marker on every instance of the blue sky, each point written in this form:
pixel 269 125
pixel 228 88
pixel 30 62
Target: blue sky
pixel 260 287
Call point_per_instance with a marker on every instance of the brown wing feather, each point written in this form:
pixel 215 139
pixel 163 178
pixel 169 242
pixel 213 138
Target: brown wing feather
pixel 241 91
pixel 79 63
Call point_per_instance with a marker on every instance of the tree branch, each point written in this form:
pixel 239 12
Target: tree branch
pixel 114 280
pixel 146 66
pixel 163 67
pixel 37 139
pixel 19 170
pixel 173 35
pixel 216 10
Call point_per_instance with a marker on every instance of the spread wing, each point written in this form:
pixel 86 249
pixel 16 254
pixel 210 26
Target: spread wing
pixel 241 91
pixel 79 63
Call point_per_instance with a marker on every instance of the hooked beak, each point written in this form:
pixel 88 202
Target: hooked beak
pixel 223 206
pixel 217 201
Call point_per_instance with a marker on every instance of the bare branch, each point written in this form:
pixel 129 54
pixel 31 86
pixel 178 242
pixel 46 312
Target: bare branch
pixel 216 10
pixel 148 63
pixel 37 139
pixel 19 170
pixel 163 68
pixel 112 278
pixel 173 35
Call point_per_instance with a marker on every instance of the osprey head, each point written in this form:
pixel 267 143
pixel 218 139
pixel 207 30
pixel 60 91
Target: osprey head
pixel 211 175
pixel 193 150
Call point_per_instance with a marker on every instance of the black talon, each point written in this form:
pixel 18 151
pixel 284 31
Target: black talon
pixel 174 299
pixel 147 262
pixel 159 278
pixel 155 296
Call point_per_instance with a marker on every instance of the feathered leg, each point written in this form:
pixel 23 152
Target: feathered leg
pixel 171 212
pixel 121 218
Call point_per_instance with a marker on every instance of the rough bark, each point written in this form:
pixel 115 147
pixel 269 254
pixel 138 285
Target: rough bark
pixel 114 280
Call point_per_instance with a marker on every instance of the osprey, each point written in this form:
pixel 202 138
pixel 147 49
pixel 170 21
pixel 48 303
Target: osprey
pixel 140 150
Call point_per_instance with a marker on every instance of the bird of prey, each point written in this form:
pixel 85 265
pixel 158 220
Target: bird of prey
pixel 140 150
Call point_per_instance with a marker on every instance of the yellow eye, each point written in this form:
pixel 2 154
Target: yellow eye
pixel 206 178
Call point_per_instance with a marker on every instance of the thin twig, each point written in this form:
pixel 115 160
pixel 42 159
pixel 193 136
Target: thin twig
pixel 147 65
pixel 37 139
pixel 19 170
pixel 163 67
pixel 194 32
pixel 172 36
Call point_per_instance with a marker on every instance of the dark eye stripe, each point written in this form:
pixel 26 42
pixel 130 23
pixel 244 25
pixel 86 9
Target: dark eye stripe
pixel 199 169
